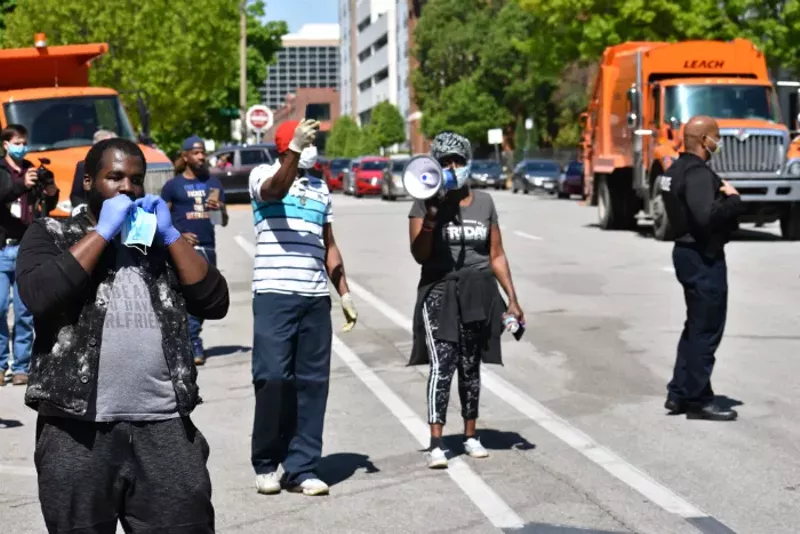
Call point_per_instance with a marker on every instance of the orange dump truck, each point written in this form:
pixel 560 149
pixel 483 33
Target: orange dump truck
pixel 645 92
pixel 46 89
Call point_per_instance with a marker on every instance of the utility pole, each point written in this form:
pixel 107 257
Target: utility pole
pixel 243 67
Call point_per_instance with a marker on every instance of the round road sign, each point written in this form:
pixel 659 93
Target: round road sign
pixel 259 117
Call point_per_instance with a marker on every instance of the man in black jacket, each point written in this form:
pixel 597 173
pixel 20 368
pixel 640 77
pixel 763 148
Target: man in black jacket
pixel 18 180
pixel 703 210
pixel 112 374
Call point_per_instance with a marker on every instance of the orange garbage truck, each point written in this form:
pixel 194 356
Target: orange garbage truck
pixel 643 95
pixel 46 89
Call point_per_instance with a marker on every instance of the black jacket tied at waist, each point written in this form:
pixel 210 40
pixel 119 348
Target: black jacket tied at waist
pixel 469 296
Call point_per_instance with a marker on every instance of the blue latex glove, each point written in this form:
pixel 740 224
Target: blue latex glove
pixel 165 230
pixel 112 216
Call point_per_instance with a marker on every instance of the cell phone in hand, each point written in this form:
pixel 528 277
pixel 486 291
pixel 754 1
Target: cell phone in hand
pixel 519 332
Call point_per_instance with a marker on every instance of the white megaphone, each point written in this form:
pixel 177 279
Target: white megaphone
pixel 423 177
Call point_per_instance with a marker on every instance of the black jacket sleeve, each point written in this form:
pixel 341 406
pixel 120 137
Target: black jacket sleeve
pixel 209 298
pixel 710 212
pixel 10 191
pixel 48 278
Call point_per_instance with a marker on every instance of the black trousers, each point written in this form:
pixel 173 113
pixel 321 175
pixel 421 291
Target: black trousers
pixel 705 288
pixel 152 477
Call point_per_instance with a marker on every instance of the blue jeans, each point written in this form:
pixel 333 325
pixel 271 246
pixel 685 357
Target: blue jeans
pixel 196 324
pixel 291 370
pixel 23 319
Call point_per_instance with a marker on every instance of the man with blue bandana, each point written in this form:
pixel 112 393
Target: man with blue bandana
pixel 296 255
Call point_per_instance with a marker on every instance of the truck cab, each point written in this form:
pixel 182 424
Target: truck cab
pixel 46 89
pixel 633 130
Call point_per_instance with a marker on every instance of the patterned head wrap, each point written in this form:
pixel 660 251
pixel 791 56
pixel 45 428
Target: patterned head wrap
pixel 447 143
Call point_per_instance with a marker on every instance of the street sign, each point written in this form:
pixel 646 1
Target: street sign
pixel 495 136
pixel 259 118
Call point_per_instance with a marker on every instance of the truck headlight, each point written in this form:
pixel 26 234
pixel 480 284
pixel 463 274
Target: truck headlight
pixel 793 168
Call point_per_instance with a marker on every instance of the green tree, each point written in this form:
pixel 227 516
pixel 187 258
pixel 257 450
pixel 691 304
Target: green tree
pixel 465 109
pixel 388 124
pixel 6 8
pixel 180 55
pixel 344 141
pixel 369 144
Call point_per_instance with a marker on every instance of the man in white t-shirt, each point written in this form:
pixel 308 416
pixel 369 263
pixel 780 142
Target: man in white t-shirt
pixel 296 254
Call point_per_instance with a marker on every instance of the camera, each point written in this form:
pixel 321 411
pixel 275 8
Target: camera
pixel 44 178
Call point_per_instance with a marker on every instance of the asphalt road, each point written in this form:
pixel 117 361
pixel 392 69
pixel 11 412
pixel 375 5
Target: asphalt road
pixel 574 422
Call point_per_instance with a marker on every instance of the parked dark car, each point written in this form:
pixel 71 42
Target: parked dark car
pixel 535 175
pixel 335 175
pixel 571 180
pixel 487 173
pixel 231 165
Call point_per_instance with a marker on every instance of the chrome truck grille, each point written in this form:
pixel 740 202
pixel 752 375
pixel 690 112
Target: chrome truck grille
pixel 750 152
pixel 156 176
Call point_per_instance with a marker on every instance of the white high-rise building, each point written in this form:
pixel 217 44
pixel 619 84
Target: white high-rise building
pixel 373 56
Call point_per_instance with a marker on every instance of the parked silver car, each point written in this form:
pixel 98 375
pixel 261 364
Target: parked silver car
pixel 392 186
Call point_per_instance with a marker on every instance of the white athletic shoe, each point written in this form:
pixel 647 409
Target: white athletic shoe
pixel 269 484
pixel 474 448
pixel 311 487
pixel 437 459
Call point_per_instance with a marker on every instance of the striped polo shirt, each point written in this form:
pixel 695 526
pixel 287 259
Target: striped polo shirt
pixel 290 251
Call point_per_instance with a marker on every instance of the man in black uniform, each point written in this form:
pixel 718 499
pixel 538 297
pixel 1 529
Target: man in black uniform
pixel 703 210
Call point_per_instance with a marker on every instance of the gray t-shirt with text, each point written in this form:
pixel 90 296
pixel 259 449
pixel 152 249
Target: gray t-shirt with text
pixel 465 245
pixel 133 382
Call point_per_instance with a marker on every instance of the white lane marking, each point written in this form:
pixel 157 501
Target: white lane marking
pixel 488 502
pixel 246 245
pixel 575 438
pixel 493 507
pixel 668 269
pixel 527 236
pixel 18 470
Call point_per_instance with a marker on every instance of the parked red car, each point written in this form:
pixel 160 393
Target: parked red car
pixel 334 173
pixel 369 176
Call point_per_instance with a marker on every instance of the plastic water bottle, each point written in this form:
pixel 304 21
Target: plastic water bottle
pixel 511 323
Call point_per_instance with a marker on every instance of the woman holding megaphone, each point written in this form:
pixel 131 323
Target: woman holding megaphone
pixel 460 313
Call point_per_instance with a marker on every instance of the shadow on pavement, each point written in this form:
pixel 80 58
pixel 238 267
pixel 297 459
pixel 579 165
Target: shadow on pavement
pixel 726 403
pixel 549 528
pixel 9 423
pixel 338 467
pixel 226 350
pixel 493 440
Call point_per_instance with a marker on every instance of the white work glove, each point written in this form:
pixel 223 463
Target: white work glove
pixel 304 135
pixel 350 313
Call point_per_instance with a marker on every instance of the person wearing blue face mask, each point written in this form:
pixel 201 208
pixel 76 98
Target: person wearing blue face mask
pixel 189 197
pixel 458 317
pixel 17 180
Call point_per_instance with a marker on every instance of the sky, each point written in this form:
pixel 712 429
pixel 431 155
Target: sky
pixel 299 12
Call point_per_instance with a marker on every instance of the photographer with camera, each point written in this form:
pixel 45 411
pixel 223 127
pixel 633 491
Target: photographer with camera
pixel 23 188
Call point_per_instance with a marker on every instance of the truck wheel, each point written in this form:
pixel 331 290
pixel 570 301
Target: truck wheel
pixel 790 223
pixel 616 203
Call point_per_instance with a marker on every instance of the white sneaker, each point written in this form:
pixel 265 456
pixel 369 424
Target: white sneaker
pixel 311 486
pixel 437 459
pixel 474 448
pixel 269 484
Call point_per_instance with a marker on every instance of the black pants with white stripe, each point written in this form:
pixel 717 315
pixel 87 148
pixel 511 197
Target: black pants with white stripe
pixel 446 358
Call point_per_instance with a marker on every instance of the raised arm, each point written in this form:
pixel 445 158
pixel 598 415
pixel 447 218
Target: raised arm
pixel 277 186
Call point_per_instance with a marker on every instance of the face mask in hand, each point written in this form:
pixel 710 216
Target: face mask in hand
pixel 139 230
pixel 308 157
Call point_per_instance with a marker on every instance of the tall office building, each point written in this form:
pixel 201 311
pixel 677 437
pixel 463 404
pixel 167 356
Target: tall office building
pixel 308 59
pixel 369 55
pixel 375 55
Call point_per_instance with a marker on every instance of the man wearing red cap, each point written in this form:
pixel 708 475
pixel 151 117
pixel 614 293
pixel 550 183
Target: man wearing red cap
pixel 296 255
